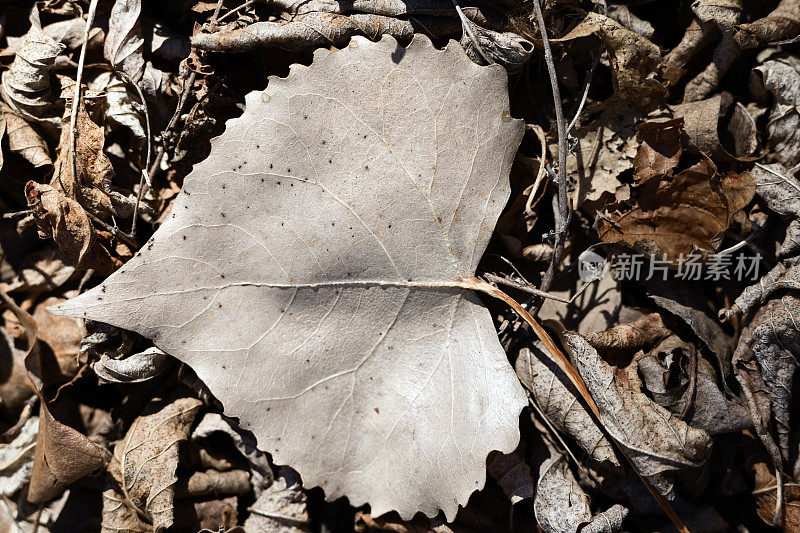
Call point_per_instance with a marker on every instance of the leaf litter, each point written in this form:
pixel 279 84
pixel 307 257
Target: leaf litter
pixel 380 248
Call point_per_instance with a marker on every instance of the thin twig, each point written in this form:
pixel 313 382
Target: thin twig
pixel 187 85
pixel 18 214
pixel 523 287
pixel 115 231
pixel 236 10
pixel 562 213
pixel 583 98
pixel 541 173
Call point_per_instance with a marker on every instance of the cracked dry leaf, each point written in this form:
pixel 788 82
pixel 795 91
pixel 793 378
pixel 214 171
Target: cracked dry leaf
pixel 656 442
pixel 141 478
pixel 557 400
pixel 351 348
pixel 676 217
pixel 89 180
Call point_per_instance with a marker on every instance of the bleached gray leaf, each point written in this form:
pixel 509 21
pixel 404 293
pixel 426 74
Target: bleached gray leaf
pixel 313 273
pixel 655 441
pixel 560 505
pixel 121 105
pixel 781 78
pixel 135 368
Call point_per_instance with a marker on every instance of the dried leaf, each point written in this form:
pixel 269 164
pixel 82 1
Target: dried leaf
pixel 781 78
pixel 766 497
pixel 63 455
pixel 557 399
pixel 560 505
pixel 631 337
pixel 121 107
pixel 656 442
pixel 16 458
pixel 89 180
pixel 659 149
pixel 65 221
pixel 134 368
pixel 782 23
pixel 280 508
pixel 24 140
pixel 141 478
pixel 623 15
pixel 28 84
pixel 666 371
pixel 513 475
pixel 391 336
pixel 781 193
pixel 681 216
pixel 633 58
pixel 702 123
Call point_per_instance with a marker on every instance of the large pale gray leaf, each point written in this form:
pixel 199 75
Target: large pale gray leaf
pixel 313 274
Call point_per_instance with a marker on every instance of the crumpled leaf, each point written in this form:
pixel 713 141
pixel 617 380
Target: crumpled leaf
pixel 28 84
pixel 702 123
pixel 121 107
pixel 65 221
pixel 281 508
pixel 557 400
pixel 781 78
pixel 23 139
pixel 630 337
pixel 16 458
pixel 124 45
pixel 90 181
pixel 506 48
pixel 394 349
pixel 656 442
pixel 666 371
pixel 622 14
pixel 633 58
pixel 660 149
pixel 41 271
pixel 140 483
pixel 134 368
pixel 781 23
pixel 766 496
pixel 513 475
pixel 681 216
pixel 63 455
pixel 780 191
pixel 721 16
pixel 765 361
pixel 561 505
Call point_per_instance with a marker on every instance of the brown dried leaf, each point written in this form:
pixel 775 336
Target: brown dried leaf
pixel 766 497
pixel 89 180
pixel 631 337
pixel 702 123
pixel 556 398
pixel 666 371
pixel 781 78
pixel 659 149
pixel 689 213
pixel 65 221
pixel 23 139
pixel 782 23
pixel 633 58
pixel 656 442
pixel 63 455
pixel 141 478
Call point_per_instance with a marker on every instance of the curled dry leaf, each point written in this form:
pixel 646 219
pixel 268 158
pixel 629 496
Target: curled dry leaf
pixel 633 58
pixel 781 24
pixel 560 505
pixel 765 361
pixel 681 216
pixel 780 191
pixel 391 335
pixel 121 107
pixel 702 124
pixel 781 78
pixel 212 482
pixel 134 368
pixel 631 337
pixel 65 221
pixel 63 455
pixel 28 84
pixel 124 47
pixel 88 180
pixel 141 478
pixel 766 494
pixel 622 14
pixel 656 442
pixel 281 508
pixel 23 139
pixel 556 398
pixel 690 393
pixel 719 16
pixel 506 48
pixel 512 473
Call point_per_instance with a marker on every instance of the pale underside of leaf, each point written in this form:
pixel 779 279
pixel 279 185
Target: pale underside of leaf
pixel 312 274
